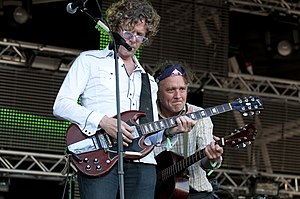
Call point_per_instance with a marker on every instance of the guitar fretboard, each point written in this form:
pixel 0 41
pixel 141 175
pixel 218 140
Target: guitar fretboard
pixel 171 122
pixel 181 165
pixel 240 136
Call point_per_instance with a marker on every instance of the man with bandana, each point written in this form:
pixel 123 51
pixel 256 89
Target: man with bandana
pixel 173 83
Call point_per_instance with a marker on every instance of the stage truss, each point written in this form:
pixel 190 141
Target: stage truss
pixel 265 7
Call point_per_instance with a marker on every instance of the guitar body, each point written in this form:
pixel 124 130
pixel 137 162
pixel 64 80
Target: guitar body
pixel 172 176
pixel 174 187
pixel 99 162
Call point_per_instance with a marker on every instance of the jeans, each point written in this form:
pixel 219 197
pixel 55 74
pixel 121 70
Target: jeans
pixel 139 182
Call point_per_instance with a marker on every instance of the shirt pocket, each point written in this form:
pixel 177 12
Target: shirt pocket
pixel 106 81
pixel 101 85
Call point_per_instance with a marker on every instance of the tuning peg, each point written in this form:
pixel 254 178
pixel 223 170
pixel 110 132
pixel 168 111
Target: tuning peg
pixel 239 100
pixel 241 145
pixel 245 114
pixel 257 112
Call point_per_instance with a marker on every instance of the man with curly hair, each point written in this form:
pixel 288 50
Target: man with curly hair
pixel 92 79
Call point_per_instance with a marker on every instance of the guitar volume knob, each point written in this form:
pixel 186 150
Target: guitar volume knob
pixel 96 160
pixel 86 160
pixel 98 167
pixel 88 167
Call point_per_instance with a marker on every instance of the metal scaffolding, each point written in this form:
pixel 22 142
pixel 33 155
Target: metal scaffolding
pixel 35 165
pixel 239 182
pixel 265 7
pixel 17 164
pixel 27 54
pixel 16 53
pixel 243 84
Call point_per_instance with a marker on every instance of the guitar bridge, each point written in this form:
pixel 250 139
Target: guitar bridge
pixel 88 145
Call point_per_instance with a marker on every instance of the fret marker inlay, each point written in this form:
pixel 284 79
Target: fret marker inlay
pixel 203 113
pixel 214 110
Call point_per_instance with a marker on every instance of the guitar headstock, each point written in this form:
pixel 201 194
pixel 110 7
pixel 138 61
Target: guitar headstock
pixel 240 137
pixel 248 105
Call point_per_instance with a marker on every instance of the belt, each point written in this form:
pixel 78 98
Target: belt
pixel 128 161
pixel 192 191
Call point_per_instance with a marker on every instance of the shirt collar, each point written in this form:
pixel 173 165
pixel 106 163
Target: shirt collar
pixel 138 66
pixel 110 53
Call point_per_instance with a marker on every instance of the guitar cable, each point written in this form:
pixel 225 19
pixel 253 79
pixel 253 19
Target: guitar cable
pixel 74 155
pixel 66 171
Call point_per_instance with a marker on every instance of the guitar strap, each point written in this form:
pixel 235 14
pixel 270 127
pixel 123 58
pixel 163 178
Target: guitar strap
pixel 146 100
pixel 185 144
pixel 185 138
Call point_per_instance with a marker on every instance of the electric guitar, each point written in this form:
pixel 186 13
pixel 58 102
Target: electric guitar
pixel 96 155
pixel 172 175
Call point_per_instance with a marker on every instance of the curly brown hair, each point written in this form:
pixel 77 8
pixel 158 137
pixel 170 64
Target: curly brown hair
pixel 131 12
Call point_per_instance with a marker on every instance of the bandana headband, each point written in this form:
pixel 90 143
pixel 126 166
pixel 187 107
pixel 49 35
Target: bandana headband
pixel 171 71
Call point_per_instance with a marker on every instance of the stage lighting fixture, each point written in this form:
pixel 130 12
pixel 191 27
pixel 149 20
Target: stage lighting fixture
pixel 284 48
pixel 46 63
pixel 20 15
pixel 267 188
pixel 4 184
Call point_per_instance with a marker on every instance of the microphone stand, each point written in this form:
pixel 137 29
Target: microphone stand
pixel 117 40
pixel 120 135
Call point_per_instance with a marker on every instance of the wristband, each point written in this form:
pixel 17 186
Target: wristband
pixel 168 136
pixel 213 164
pixel 169 144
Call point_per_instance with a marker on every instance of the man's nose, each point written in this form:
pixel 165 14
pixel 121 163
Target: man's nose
pixel 177 94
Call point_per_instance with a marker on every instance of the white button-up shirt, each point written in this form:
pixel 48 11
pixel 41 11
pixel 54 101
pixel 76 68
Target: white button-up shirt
pixel 92 80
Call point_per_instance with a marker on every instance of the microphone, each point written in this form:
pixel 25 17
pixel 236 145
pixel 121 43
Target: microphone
pixel 72 7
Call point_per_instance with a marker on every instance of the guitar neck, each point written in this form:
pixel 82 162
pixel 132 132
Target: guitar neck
pixel 181 165
pixel 171 122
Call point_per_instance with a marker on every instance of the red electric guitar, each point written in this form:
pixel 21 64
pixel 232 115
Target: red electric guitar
pixel 172 175
pixel 96 155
